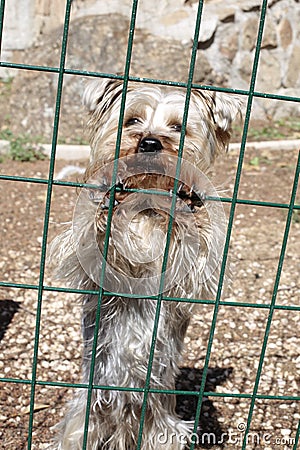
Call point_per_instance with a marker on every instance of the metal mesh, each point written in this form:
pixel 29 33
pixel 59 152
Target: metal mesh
pixel 250 94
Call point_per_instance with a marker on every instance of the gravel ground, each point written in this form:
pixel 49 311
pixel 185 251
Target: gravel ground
pixel 255 247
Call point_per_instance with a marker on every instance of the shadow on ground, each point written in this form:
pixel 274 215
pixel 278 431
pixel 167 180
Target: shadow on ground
pixel 209 429
pixel 8 308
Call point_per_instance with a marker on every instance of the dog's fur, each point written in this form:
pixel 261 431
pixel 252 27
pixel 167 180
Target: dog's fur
pixel 135 255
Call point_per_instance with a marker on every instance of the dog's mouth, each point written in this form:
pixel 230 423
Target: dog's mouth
pixel 188 198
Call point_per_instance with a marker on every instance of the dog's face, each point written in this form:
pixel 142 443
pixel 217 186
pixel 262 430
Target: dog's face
pixel 153 121
pixel 139 221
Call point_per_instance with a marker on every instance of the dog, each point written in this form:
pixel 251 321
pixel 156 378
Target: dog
pixel 145 231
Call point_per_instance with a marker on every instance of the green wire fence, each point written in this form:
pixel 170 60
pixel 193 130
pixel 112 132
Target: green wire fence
pixel 249 94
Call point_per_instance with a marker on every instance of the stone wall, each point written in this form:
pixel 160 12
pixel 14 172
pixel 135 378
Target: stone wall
pixel 25 20
pixel 226 46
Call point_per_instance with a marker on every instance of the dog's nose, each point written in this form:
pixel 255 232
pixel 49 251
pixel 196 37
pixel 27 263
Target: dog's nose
pixel 151 145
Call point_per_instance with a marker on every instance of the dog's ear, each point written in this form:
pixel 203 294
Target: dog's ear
pixel 226 108
pixel 101 93
pixel 223 109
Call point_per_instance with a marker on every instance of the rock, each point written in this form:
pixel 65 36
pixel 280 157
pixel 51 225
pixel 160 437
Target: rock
pixel 292 75
pixel 245 67
pixel 229 42
pixel 174 17
pixel 190 2
pixel 285 32
pixel 203 69
pixel 269 72
pixel 208 28
pixel 251 5
pixel 227 14
pixel 273 2
pixel 249 34
pixel 269 39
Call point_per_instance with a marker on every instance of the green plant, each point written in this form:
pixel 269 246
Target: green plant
pixel 270 130
pixel 22 148
pixel 75 140
pixel 258 160
pixel 296 216
pixel 5 86
pixel 268 133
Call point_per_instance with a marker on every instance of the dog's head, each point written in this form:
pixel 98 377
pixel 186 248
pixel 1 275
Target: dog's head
pixel 134 197
pixel 153 121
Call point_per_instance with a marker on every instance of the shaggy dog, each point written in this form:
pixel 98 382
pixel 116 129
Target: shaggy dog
pixel 146 232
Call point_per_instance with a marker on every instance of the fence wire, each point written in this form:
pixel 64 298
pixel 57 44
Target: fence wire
pixel 249 94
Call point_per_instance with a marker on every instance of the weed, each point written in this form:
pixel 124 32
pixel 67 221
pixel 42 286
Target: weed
pixel 76 140
pixel 273 130
pixel 6 85
pixel 258 160
pixel 22 148
pixel 296 216
pixel 268 133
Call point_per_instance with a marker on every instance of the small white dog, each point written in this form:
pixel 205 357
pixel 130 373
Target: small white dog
pixel 118 239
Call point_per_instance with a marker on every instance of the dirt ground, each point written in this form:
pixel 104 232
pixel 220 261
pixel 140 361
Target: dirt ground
pixel 254 251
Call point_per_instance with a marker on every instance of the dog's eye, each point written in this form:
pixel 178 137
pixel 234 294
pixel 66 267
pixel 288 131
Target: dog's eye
pixel 176 127
pixel 132 121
